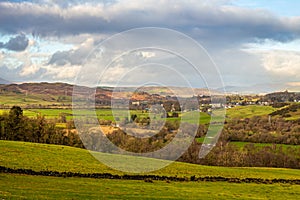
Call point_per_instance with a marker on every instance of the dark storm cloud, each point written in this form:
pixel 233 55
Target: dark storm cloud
pixel 74 56
pixel 18 43
pixel 62 58
pixel 199 20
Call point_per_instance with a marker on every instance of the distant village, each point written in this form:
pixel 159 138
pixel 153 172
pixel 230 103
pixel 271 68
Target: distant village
pixel 59 95
pixel 171 104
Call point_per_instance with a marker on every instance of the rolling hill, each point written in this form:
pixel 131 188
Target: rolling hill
pixel 60 94
pixel 39 157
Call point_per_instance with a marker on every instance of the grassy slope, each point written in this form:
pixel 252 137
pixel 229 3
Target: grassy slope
pixel 36 187
pixel 62 158
pixel 242 144
pixel 249 111
pixel 294 114
pixel 11 99
pixel 284 146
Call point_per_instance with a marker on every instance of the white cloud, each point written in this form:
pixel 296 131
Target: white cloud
pixel 76 26
pixel 29 70
pixel 294 84
pixel 112 75
pixel 269 44
pixel 281 60
pixel 62 73
pixel 282 64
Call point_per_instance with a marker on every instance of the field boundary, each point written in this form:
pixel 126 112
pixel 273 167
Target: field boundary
pixel 148 178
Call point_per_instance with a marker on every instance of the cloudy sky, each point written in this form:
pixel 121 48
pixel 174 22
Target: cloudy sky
pixel 252 42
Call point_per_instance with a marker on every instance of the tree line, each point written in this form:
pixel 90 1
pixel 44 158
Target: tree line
pixel 15 126
pixel 263 129
pixel 231 155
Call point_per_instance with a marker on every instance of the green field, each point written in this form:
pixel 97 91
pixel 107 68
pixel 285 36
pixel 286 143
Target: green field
pixel 11 99
pixel 62 158
pixel 242 144
pixel 284 146
pixel 249 111
pixel 190 117
pixel 55 113
pixel 294 115
pixel 37 187
pixel 106 114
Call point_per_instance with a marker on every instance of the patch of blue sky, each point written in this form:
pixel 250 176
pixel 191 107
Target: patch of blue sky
pixel 41 51
pixel 5 38
pixel 268 44
pixel 41 45
pixel 45 48
pixel 279 7
pixel 46 45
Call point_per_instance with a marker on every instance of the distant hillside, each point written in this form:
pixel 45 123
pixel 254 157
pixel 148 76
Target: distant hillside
pixel 49 93
pixel 260 88
pixel 38 88
pixel 289 112
pixel 285 96
pixel 179 91
pixel 61 93
pixel 45 89
pixel 102 93
pixel 252 89
pixel 44 94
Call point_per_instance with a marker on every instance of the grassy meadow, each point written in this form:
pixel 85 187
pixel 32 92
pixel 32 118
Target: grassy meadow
pixel 11 99
pixel 61 158
pixel 249 111
pixel 106 114
pixel 284 146
pixel 40 157
pixel 38 187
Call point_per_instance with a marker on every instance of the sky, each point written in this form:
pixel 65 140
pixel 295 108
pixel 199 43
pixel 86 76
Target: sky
pixel 253 43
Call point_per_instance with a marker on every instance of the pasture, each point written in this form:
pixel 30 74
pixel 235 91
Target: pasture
pixel 284 146
pixel 41 157
pixel 107 114
pixel 249 111
pixel 38 187
pixel 11 99
pixel 21 155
